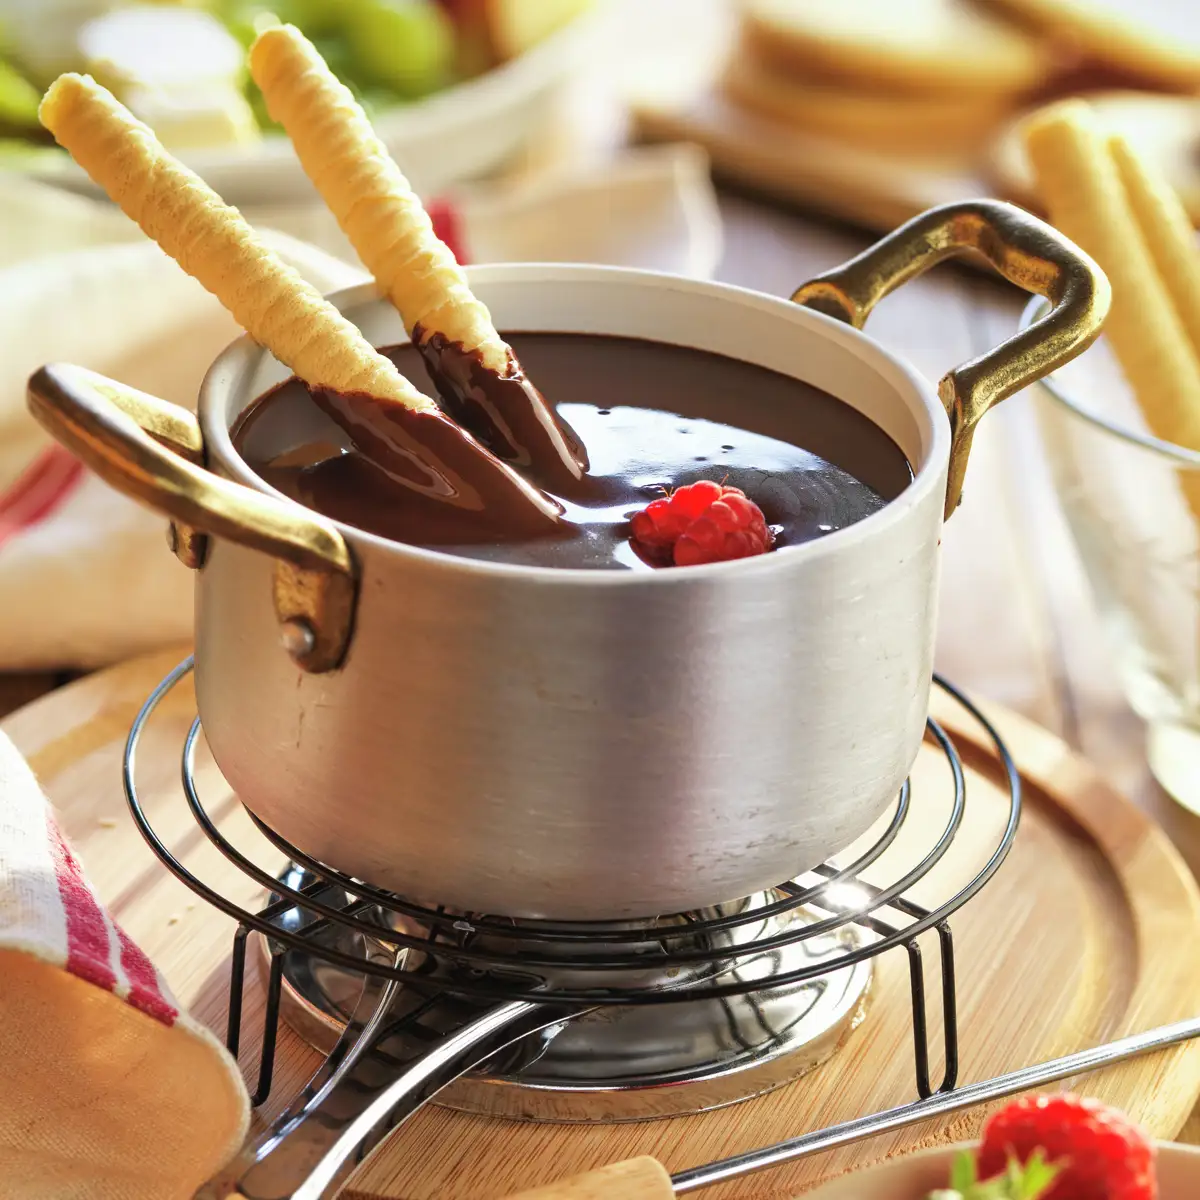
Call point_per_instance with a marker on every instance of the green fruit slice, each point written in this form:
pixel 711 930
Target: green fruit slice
pixel 18 99
pixel 406 46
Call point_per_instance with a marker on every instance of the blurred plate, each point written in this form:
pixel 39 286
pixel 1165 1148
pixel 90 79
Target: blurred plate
pixel 461 133
pixel 916 1175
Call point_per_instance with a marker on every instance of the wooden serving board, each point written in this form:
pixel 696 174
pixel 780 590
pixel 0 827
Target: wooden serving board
pixel 1088 932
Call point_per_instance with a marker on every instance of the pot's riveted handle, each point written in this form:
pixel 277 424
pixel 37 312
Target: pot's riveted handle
pixel 1027 252
pixel 153 451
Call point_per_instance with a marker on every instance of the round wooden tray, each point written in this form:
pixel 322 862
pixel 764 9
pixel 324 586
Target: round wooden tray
pixel 1086 933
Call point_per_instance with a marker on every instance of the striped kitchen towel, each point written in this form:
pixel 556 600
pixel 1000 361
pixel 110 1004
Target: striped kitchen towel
pixel 110 1091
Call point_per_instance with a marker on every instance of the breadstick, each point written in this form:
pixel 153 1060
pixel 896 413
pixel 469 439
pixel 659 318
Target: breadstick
pixel 1167 229
pixel 1081 188
pixel 370 197
pixel 213 243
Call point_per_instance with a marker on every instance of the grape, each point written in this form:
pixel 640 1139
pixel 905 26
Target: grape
pixel 313 17
pixel 241 17
pixel 404 45
pixel 339 58
pixel 18 98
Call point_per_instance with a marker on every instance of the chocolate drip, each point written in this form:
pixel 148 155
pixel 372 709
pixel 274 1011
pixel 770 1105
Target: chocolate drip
pixel 451 481
pixel 505 412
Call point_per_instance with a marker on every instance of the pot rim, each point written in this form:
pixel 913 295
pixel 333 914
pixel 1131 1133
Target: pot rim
pixel 236 360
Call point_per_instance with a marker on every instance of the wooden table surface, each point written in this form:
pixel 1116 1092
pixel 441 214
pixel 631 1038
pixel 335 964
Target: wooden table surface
pixel 1017 625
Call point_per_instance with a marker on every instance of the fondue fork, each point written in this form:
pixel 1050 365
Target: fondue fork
pixel 377 1076
pixel 646 1179
pixel 314 1146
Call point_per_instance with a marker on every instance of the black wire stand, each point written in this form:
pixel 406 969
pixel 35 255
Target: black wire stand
pixel 483 957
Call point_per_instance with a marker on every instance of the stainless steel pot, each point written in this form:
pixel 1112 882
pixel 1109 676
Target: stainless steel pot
pixel 570 744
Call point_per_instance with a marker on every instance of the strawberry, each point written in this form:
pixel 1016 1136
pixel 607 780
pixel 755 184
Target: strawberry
pixel 1100 1153
pixel 702 522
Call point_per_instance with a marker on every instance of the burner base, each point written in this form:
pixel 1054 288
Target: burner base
pixel 636 1062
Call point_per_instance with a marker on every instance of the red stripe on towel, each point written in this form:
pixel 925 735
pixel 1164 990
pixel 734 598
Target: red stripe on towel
pixel 89 953
pixel 144 988
pixel 39 492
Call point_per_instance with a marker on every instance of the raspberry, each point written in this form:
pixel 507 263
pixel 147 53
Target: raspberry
pixel 701 523
pixel 1101 1154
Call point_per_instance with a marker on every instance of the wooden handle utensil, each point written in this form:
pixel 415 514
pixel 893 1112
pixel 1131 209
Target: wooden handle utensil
pixel 635 1179
pixel 645 1179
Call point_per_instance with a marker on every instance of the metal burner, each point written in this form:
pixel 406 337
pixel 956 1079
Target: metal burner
pixel 632 1063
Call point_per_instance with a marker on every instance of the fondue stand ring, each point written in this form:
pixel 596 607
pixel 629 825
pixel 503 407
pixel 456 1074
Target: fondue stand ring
pixel 405 999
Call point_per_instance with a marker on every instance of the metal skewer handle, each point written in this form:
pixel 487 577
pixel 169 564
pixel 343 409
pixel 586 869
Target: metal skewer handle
pixel 646 1179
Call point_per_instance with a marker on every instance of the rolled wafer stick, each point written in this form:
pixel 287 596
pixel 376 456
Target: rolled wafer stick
pixel 369 194
pixel 472 366
pixel 213 243
pixel 1099 193
pixel 1168 230
pixel 394 424
pixel 1082 190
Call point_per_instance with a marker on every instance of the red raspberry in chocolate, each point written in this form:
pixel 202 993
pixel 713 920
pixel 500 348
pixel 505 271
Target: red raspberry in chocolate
pixel 703 522
pixel 1100 1154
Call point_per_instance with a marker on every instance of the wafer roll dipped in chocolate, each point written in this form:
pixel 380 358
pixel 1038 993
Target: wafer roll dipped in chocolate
pixel 402 431
pixel 474 370
pixel 1082 188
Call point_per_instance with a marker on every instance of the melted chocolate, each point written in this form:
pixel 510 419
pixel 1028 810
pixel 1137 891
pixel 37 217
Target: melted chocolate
pixel 505 412
pixel 652 416
pixel 442 474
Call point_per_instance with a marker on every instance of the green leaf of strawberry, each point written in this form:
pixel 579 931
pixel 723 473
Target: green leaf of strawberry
pixel 1028 1182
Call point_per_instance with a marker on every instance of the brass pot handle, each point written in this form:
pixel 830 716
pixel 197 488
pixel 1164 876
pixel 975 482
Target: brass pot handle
pixel 153 451
pixel 1027 252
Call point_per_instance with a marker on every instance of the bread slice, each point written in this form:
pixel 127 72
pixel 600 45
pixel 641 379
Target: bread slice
pixel 888 122
pixel 923 46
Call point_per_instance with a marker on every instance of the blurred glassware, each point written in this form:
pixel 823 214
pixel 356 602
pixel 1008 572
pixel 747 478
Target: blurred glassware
pixel 1132 503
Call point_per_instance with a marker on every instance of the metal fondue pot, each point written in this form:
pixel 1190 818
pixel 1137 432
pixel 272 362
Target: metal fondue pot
pixel 571 744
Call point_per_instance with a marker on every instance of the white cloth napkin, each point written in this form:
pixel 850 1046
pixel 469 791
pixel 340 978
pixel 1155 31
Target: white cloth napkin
pixel 110 1091
pixel 85 578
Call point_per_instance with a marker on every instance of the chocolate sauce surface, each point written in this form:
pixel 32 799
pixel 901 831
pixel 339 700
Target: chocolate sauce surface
pixel 649 416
